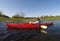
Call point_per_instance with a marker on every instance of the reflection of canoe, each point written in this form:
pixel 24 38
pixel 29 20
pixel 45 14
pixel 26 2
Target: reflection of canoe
pixel 27 26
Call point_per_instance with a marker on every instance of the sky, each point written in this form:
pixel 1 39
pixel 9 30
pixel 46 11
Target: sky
pixel 30 8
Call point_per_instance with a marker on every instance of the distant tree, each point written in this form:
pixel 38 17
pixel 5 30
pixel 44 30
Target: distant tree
pixel 0 13
pixel 18 15
pixel 3 15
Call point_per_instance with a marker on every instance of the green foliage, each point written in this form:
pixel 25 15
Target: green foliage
pixel 18 19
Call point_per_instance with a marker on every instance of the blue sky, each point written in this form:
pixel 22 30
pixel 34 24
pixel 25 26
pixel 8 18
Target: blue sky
pixel 30 8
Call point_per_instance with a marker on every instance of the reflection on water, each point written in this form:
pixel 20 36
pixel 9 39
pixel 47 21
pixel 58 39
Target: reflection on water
pixel 55 29
pixel 53 33
pixel 2 27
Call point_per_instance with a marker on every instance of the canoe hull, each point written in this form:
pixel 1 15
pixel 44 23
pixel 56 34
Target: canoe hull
pixel 26 26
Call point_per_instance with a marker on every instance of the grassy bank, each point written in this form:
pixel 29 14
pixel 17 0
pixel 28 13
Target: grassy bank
pixel 26 20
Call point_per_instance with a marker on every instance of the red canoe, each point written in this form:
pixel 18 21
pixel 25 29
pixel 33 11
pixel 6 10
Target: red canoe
pixel 26 26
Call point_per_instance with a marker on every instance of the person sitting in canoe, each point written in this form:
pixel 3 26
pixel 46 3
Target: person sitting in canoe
pixel 42 29
pixel 36 22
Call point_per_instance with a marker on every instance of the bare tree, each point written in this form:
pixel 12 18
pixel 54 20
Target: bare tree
pixel 1 12
pixel 19 15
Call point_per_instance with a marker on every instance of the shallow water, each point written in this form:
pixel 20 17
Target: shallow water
pixel 53 33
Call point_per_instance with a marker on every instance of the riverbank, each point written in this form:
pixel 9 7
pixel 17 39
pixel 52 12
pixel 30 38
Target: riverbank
pixel 28 19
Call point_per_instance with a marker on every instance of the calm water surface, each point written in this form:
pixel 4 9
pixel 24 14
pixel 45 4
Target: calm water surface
pixel 53 33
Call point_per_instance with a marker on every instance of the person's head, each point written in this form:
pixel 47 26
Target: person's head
pixel 38 19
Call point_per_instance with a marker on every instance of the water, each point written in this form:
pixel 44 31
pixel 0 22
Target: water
pixel 55 29
pixel 53 33
pixel 2 27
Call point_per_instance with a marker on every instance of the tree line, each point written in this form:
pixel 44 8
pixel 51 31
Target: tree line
pixel 17 15
pixel 22 15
